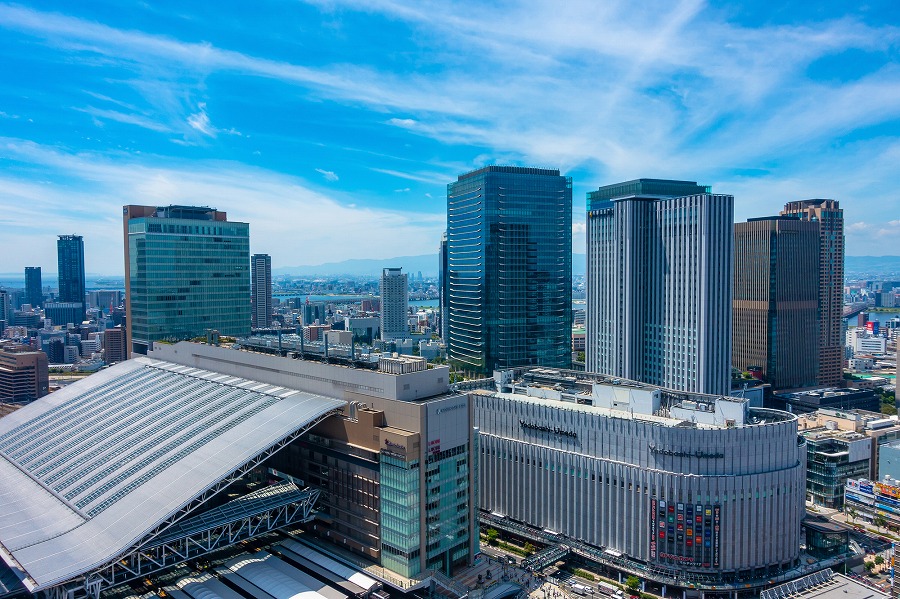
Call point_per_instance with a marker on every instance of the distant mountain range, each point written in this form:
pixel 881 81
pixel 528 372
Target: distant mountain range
pixel 428 264
pixel 885 265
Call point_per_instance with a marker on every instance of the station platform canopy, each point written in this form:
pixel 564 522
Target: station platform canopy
pixel 103 467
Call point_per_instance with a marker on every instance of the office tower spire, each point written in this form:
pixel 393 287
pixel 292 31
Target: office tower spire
pixel 659 264
pixel 509 265
pixel 830 220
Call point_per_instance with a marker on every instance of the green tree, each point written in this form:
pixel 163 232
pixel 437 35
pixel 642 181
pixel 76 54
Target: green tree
pixel 879 560
pixel 869 566
pixel 492 536
pixel 888 409
pixel 529 549
pixel 632 582
pixel 879 521
pixel 852 514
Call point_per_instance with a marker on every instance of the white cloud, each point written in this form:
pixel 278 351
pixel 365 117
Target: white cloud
pixel 423 177
pixel 612 90
pixel 200 122
pixel 578 228
pixel 404 190
pixel 404 123
pixel 329 175
pixel 93 188
pixel 138 120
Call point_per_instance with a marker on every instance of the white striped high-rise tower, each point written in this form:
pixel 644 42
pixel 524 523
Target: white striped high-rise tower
pixel 659 284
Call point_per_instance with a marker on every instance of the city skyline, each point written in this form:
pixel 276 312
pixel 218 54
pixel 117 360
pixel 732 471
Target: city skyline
pixel 362 116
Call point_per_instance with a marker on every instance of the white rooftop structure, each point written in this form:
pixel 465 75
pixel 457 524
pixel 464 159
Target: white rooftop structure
pixel 104 468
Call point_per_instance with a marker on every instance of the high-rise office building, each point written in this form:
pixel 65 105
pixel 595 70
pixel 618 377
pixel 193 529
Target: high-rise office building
pixel 115 347
pixel 659 269
pixel 23 374
pixel 394 304
pixel 830 219
pixel 261 279
pixel 509 269
pixel 186 271
pixel 443 288
pixel 70 257
pixel 34 291
pixel 5 308
pixel 776 300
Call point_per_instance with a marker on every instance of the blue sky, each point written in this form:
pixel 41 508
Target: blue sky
pixel 333 127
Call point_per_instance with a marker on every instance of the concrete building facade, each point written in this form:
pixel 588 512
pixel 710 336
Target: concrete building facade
pixel 659 278
pixel 115 346
pixel 690 484
pixel 261 290
pixel 398 466
pixel 24 374
pixel 394 304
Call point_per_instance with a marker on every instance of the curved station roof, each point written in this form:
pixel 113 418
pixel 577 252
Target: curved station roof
pixel 100 466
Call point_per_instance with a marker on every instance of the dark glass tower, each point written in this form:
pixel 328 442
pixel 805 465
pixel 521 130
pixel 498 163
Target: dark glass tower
pixel 509 269
pixel 70 256
pixel 775 303
pixel 34 293
pixel 829 217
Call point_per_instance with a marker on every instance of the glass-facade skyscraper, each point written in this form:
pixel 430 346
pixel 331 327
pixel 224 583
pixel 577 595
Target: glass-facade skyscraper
pixel 34 292
pixel 187 269
pixel 776 297
pixel 829 217
pixel 509 269
pixel 70 259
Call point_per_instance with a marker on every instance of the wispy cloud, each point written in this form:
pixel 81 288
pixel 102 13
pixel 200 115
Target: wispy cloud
pixel 329 175
pixel 253 195
pixel 426 177
pixel 200 122
pixel 608 90
pixel 122 117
